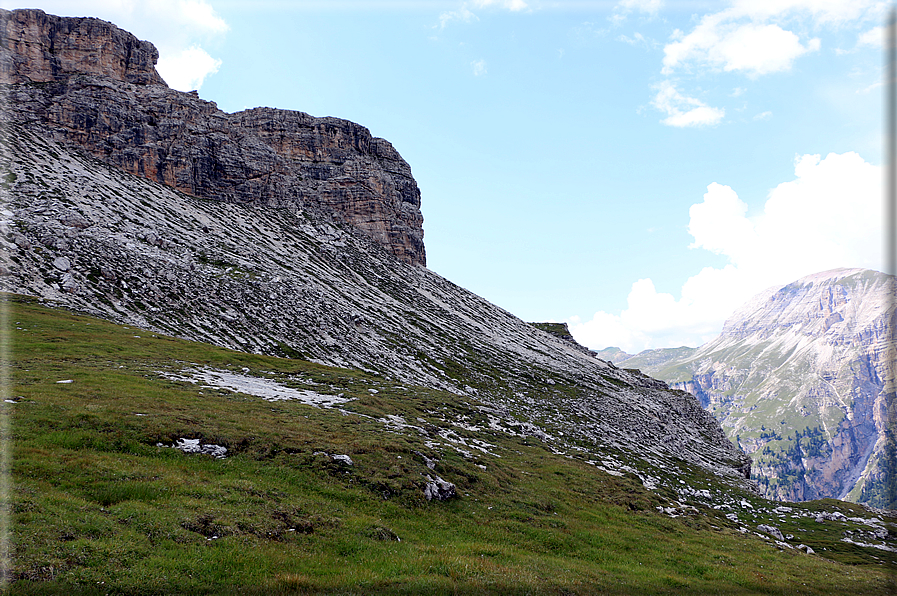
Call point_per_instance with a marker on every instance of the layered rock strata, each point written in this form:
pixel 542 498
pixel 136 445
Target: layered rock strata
pixel 88 83
pixel 197 257
pixel 802 377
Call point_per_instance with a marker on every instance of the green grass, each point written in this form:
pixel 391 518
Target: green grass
pixel 98 507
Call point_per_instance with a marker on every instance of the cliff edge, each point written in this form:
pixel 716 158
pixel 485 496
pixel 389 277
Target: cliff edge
pixel 86 82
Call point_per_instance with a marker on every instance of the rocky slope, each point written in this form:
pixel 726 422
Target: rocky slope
pixel 287 282
pixel 802 378
pixel 87 83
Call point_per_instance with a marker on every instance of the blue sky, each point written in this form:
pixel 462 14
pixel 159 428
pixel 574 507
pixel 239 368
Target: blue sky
pixel 636 168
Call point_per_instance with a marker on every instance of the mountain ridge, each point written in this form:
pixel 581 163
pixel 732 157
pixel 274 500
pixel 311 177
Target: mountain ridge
pixel 80 233
pixel 819 344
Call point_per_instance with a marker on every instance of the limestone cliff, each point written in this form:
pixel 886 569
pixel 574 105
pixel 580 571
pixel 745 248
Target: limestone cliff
pixel 105 237
pixel 800 377
pixel 86 82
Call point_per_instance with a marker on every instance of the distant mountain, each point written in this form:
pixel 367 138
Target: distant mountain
pixel 612 354
pixel 800 378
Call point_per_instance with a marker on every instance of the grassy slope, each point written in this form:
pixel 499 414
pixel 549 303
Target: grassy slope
pixel 98 507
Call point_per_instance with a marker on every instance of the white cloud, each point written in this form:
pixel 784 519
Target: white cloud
pixel 753 38
pixel 684 111
pixel 763 115
pixel 871 87
pixel 178 28
pixel 646 6
pixel 479 67
pixel 749 37
pixel 512 5
pixel 825 12
pixel 186 70
pixel 873 37
pixel 637 38
pixel 463 14
pixel 624 7
pixel 828 216
pixel 750 48
pixel 196 13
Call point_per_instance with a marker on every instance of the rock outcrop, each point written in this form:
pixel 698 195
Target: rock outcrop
pixel 802 379
pixel 87 83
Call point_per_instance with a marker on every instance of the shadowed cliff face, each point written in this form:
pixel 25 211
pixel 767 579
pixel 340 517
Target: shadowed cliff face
pixel 89 83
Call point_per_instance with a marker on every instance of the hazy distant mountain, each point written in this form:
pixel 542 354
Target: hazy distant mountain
pixel 799 377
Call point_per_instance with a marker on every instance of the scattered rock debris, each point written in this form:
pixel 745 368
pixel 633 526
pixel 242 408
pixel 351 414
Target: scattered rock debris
pixel 191 446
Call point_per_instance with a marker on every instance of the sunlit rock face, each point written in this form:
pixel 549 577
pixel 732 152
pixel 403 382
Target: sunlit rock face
pixel 89 83
pixel 801 377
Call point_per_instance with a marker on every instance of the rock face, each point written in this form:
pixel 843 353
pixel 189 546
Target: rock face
pixel 84 234
pixel 86 82
pixel 40 48
pixel 802 378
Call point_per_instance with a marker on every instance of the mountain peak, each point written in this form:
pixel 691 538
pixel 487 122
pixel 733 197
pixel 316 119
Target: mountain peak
pixel 848 298
pixel 800 378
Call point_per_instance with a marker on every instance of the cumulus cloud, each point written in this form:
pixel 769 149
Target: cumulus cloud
pixel 763 115
pixel 750 48
pixel 178 28
pixel 755 38
pixel 186 70
pixel 683 111
pixel 828 216
pixel 749 37
pixel 479 67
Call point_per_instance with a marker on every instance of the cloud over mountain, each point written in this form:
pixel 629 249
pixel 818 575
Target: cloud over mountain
pixel 826 217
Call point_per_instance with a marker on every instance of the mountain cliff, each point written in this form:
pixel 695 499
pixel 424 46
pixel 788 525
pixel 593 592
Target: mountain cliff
pixel 243 230
pixel 87 83
pixel 802 378
pixel 80 233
